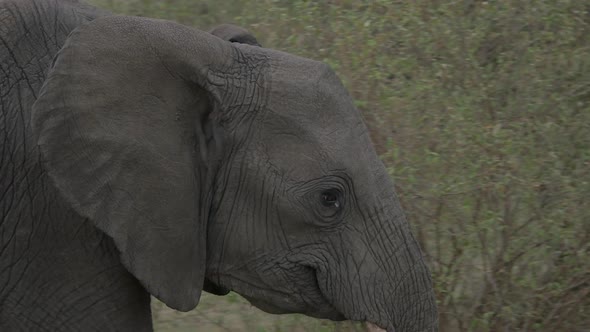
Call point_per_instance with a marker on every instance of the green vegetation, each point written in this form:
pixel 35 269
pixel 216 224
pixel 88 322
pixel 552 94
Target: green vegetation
pixel 481 110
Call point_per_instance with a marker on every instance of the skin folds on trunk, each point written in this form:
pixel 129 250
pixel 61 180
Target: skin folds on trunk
pixel 389 285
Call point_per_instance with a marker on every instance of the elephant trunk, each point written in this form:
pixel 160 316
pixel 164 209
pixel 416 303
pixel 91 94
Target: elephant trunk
pixel 384 276
pixel 402 300
pixel 411 303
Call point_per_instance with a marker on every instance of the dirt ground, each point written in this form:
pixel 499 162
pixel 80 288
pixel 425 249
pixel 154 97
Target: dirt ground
pixel 234 313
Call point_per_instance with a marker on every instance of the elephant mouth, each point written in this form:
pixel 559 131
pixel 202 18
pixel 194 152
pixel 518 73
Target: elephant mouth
pixel 299 297
pixel 325 312
pixel 333 313
pixel 214 288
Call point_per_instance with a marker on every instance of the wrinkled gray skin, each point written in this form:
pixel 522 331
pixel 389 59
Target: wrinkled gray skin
pixel 143 157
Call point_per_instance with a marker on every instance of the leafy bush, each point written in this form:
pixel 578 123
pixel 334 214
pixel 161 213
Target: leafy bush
pixel 481 111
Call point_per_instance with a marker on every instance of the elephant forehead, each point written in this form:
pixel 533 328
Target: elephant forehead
pixel 310 125
pixel 310 147
pixel 308 95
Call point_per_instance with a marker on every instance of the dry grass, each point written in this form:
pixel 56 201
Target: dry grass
pixel 233 313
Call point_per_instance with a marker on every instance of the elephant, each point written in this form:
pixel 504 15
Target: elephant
pixel 143 157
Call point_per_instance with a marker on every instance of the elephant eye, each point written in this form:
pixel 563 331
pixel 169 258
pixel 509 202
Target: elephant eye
pixel 331 198
pixel 326 200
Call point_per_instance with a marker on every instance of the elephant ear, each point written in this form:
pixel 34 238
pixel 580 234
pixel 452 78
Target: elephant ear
pixel 234 34
pixel 124 131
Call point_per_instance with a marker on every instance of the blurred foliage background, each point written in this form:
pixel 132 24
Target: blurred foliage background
pixel 481 112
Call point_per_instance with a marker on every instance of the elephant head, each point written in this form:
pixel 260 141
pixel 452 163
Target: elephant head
pixel 230 167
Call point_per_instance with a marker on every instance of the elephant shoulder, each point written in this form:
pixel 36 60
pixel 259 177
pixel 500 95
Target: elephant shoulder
pixel 32 32
pixel 22 18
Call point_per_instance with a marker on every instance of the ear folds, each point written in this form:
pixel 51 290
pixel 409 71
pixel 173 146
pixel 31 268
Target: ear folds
pixel 234 34
pixel 121 131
